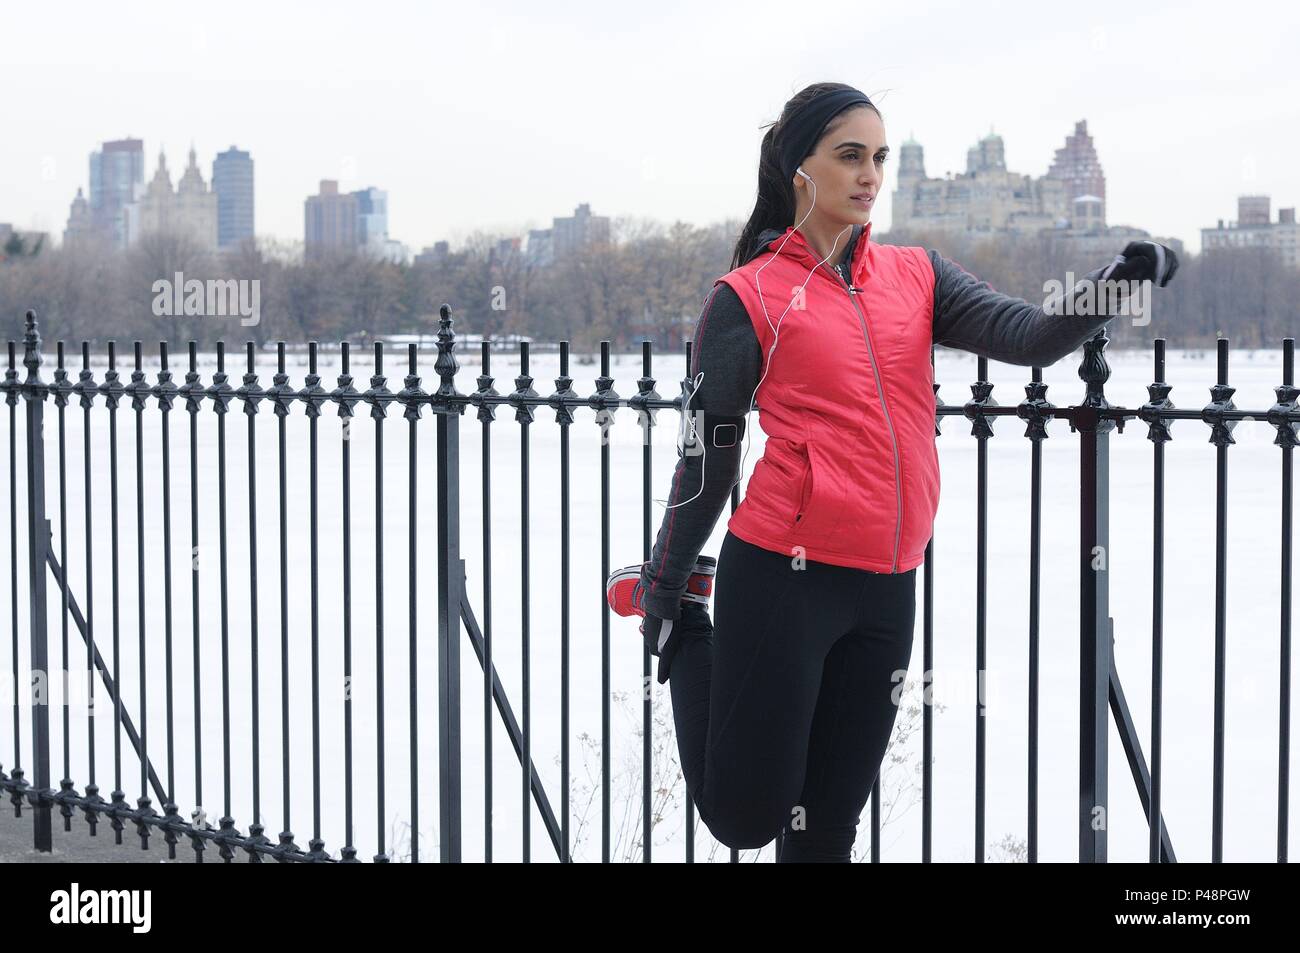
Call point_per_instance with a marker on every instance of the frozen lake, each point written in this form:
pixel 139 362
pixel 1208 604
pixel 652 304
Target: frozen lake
pixel 1252 692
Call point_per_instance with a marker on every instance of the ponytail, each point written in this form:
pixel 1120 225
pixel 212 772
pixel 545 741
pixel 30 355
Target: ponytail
pixel 774 207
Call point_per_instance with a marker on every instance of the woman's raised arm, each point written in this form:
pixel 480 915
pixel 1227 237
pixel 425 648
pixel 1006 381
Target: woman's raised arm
pixel 970 315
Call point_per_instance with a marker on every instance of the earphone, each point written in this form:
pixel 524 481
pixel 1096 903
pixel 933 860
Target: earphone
pixel 776 331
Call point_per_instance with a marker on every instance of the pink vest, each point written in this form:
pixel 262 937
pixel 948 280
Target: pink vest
pixel 850 473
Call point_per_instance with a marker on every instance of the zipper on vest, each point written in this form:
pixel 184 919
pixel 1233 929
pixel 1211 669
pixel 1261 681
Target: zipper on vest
pixel 898 483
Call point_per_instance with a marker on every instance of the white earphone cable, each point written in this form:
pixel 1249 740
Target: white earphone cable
pixel 767 316
pixel 776 331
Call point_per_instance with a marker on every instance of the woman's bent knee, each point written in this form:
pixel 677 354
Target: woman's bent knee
pixel 742 836
pixel 743 830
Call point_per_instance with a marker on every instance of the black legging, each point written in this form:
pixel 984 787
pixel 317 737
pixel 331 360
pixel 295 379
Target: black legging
pixel 783 716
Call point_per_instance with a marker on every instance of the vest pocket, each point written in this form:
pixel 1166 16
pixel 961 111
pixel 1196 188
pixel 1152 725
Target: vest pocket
pixel 806 488
pixel 819 501
pixel 806 512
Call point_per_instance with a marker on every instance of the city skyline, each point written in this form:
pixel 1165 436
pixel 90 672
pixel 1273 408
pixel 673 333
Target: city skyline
pixel 570 123
pixel 986 196
pixel 122 207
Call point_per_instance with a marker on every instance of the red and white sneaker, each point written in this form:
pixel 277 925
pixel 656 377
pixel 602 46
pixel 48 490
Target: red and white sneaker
pixel 626 595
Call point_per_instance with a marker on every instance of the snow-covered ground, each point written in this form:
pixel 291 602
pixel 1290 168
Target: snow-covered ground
pixel 1252 693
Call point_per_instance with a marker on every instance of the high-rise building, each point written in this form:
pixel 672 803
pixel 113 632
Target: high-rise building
pixel 566 236
pixel 987 155
pixel 539 248
pixel 372 227
pixel 116 179
pixel 1252 210
pixel 232 181
pixel 332 221
pixel 1088 213
pixel 579 230
pixel 351 222
pixel 986 197
pixel 153 210
pixel 190 210
pixel 1076 165
pixel 911 173
pixel 196 205
pixel 1067 206
pixel 1254 229
pixel 372 218
pixel 81 229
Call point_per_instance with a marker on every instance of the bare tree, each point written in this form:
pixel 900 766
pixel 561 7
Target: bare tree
pixel 162 257
pixel 649 281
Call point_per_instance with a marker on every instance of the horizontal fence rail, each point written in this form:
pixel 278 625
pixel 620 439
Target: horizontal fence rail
pixel 188 647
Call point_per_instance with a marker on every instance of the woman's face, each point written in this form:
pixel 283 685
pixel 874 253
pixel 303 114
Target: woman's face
pixel 848 168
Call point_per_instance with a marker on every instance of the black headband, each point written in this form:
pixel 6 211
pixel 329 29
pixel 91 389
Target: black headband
pixel 801 130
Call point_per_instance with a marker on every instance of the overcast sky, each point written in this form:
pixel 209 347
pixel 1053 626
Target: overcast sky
pixel 502 115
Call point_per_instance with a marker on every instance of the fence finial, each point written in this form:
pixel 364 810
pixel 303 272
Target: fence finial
pixel 446 364
pixel 1094 372
pixel 32 348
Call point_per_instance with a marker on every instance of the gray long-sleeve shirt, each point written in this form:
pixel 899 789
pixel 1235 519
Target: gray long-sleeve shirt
pixel 968 314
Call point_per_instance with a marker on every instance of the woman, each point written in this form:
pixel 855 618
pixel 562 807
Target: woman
pixel 785 703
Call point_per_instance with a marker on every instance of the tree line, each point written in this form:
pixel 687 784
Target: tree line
pixel 647 283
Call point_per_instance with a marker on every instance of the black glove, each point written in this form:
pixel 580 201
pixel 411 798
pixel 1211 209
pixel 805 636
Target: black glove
pixel 1143 260
pixel 694 623
pixel 652 631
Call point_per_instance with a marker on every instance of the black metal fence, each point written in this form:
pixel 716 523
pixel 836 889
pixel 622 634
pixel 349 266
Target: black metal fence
pixel 86 629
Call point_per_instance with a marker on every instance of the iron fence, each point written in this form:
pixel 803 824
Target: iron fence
pixel 151 740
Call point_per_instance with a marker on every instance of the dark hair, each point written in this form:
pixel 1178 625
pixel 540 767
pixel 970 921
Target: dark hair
pixel 774 207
